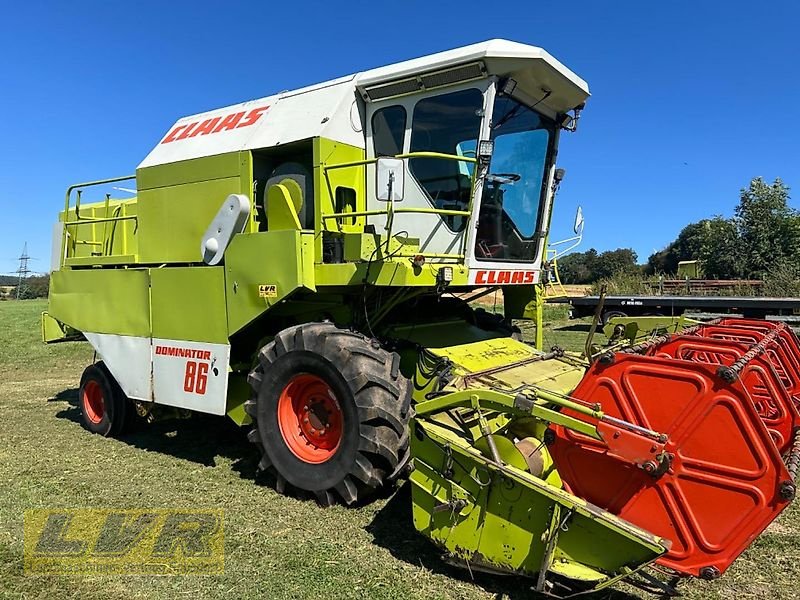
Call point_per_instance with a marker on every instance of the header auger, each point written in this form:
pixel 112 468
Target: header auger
pixel 303 263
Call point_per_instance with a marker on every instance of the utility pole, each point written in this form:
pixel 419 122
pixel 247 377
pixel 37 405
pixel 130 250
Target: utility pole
pixel 23 269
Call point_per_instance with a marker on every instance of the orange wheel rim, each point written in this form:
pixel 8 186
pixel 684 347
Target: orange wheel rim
pixel 93 402
pixel 310 418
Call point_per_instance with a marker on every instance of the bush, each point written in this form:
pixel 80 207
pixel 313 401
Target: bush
pixel 589 266
pixel 627 282
pixel 782 279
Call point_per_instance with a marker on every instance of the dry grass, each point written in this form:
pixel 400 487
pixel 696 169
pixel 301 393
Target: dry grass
pixel 276 547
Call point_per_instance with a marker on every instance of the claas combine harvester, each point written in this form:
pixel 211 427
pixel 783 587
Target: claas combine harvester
pixel 306 264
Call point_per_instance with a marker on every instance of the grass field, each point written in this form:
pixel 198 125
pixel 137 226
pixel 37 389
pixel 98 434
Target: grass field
pixel 276 547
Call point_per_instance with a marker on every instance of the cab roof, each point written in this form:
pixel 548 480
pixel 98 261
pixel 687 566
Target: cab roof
pixel 331 109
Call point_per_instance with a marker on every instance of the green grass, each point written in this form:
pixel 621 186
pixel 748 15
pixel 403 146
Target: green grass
pixel 276 547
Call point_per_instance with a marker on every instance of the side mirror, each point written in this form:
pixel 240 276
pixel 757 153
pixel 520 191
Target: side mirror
pixel 578 227
pixel 389 179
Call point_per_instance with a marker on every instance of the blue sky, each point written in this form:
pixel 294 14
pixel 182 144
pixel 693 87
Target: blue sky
pixel 690 99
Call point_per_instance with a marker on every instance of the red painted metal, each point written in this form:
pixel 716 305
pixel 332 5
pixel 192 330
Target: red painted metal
pixel 93 401
pixel 310 418
pixel 769 391
pixel 726 477
pixel 783 354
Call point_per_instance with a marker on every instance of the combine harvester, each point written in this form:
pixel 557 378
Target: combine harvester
pixel 304 263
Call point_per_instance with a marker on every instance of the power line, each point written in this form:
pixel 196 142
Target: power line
pixel 23 271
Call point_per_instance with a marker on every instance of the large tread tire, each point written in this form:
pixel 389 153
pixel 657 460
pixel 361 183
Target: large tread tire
pixel 105 409
pixel 375 402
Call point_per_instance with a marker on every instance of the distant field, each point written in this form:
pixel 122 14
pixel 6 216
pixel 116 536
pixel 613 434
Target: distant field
pixel 276 547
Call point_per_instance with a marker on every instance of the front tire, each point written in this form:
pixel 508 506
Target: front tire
pixel 331 412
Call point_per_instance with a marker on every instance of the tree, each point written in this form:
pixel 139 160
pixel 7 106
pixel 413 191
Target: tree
pixel 589 266
pixel 37 286
pixel 611 262
pixel 578 267
pixel 769 230
pixel 720 253
pixel 687 246
pixel 764 232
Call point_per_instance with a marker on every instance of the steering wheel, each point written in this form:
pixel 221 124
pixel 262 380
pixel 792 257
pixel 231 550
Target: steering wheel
pixel 502 178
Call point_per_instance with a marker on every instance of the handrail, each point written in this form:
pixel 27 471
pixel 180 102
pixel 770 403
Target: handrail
pixel 420 210
pixel 427 255
pixel 101 219
pixel 369 161
pixel 457 157
pixel 391 209
pixel 75 186
pixel 78 220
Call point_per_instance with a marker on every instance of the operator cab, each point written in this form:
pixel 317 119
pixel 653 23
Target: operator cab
pixel 478 138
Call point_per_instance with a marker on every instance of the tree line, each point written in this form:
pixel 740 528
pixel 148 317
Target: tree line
pixel 37 286
pixel 760 241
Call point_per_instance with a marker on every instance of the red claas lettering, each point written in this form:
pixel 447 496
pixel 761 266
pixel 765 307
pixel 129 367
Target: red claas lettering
pixel 215 124
pixel 253 116
pixel 485 277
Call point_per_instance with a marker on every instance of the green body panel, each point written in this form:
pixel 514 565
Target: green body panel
pixel 533 310
pixel 188 303
pixel 238 393
pixel 636 328
pixel 481 358
pixel 283 203
pixel 54 330
pixel 560 376
pixel 185 303
pixel 391 273
pixel 326 181
pixel 113 301
pixel 282 259
pixel 105 242
pixel 364 247
pixel 177 202
pixel 328 153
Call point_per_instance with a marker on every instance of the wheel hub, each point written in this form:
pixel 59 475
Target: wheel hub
pixel 310 418
pixel 93 401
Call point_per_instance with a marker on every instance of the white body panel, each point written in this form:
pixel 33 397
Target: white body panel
pixel 128 359
pixel 192 375
pixel 322 110
pixel 331 109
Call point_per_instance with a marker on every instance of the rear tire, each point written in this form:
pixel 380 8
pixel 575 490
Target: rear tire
pixel 331 412
pixel 104 408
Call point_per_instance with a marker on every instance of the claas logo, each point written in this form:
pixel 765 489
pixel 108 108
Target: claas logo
pixel 485 277
pixel 235 120
pixel 130 542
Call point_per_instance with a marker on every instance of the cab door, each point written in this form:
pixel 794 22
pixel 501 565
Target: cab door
pixel 442 122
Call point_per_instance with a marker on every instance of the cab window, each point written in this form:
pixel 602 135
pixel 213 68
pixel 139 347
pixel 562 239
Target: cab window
pixel 388 130
pixel 448 124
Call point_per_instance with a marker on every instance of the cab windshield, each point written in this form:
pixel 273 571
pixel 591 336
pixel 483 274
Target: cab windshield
pixel 513 188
